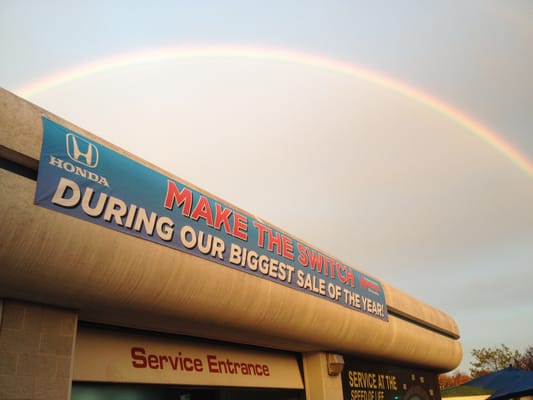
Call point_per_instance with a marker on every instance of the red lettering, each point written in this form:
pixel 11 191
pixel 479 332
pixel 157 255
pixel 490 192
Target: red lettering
pixel 198 366
pixel 188 364
pixel 316 261
pixel 288 247
pixel 276 242
pixel 212 364
pixel 138 358
pixel 222 218
pixel 174 195
pixel 332 270
pixel 203 210
pixel 261 229
pixel 350 278
pixel 342 273
pixel 162 360
pixel 157 361
pixel 228 366
pixel 184 199
pixel 345 274
pixel 240 226
pixel 303 258
pixel 274 239
pixel 153 361
pixel 174 361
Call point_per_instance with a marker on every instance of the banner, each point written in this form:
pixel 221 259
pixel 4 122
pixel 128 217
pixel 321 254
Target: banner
pixel 85 179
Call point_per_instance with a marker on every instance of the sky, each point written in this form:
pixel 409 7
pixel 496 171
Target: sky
pixel 396 136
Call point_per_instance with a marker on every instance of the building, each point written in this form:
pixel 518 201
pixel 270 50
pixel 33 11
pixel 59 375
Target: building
pixel 504 384
pixel 119 279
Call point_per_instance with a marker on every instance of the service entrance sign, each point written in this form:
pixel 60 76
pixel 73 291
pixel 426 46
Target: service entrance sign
pixel 83 178
pixel 364 380
pixel 112 356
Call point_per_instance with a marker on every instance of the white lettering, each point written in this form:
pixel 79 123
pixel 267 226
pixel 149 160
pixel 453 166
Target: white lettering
pixel 115 208
pixel 206 243
pixel 61 195
pixel 69 195
pixel 86 203
pixel 79 171
pixel 56 162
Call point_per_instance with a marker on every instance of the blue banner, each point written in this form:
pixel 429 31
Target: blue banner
pixel 85 179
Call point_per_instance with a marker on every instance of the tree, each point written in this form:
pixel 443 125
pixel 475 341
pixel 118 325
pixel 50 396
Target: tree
pixel 488 360
pixel 449 380
pixel 525 361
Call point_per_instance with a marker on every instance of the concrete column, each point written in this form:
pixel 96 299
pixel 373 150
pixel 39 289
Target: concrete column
pixel 36 351
pixel 318 384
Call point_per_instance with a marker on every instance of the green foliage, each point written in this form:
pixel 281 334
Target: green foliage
pixel 488 360
pixel 459 391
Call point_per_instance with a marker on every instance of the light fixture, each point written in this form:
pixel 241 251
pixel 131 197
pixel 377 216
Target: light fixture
pixel 335 364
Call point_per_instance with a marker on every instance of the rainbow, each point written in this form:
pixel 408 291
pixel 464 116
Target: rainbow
pixel 177 52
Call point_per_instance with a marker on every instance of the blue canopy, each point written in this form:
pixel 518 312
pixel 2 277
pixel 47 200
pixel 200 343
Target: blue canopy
pixel 507 383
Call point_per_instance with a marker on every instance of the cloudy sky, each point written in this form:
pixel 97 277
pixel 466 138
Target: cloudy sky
pixel 396 136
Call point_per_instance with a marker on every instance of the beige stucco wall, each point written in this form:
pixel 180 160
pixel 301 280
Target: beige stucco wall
pixel 36 347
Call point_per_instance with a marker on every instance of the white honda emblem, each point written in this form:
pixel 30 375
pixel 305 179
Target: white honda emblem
pixel 81 151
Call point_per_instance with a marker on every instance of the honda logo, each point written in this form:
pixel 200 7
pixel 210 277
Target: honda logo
pixel 82 151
